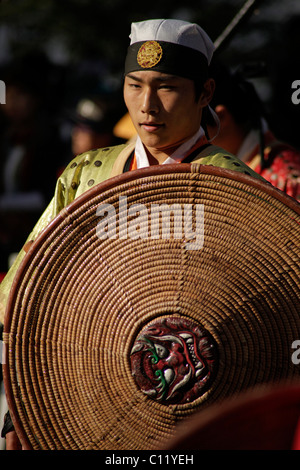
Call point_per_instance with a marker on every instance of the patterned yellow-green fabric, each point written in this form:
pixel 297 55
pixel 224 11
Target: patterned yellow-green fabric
pixel 91 168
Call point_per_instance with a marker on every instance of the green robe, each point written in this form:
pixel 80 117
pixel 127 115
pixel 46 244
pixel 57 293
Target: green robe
pixel 91 168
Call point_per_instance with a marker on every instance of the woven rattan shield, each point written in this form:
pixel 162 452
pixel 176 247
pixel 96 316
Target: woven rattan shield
pixel 119 326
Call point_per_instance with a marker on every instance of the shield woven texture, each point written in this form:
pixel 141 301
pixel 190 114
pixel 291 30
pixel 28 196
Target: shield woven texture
pixel 119 327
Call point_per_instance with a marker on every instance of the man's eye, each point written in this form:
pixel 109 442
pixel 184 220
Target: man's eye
pixel 167 87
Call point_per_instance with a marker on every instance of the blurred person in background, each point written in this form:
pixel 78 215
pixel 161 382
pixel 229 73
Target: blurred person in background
pixel 30 151
pixel 244 131
pixel 93 121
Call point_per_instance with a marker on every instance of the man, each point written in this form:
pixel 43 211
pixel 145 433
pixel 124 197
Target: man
pixel 166 88
pixel 244 132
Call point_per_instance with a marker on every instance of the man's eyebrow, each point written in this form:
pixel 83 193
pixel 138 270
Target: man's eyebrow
pixel 134 77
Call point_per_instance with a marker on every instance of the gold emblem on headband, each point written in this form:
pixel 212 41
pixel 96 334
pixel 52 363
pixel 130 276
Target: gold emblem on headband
pixel 150 53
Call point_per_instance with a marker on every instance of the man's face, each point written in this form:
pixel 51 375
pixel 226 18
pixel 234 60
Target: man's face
pixel 163 108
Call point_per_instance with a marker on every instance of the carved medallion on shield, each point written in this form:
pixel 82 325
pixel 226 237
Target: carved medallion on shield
pixel 174 360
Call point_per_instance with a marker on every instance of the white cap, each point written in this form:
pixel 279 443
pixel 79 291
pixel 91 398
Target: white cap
pixel 171 46
pixel 173 31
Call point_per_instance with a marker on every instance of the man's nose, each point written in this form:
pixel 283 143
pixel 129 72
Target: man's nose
pixel 150 102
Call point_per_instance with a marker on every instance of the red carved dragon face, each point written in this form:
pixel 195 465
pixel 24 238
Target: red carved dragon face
pixel 173 360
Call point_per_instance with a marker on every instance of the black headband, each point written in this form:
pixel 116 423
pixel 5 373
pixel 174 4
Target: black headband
pixel 167 57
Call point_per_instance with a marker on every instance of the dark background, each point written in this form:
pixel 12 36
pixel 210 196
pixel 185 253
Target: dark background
pixel 87 41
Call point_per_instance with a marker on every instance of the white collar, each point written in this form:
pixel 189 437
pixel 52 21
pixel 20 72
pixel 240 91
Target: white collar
pixel 176 157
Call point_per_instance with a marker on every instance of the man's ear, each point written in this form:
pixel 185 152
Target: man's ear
pixel 208 91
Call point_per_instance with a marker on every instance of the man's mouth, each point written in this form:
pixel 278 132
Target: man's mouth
pixel 151 126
